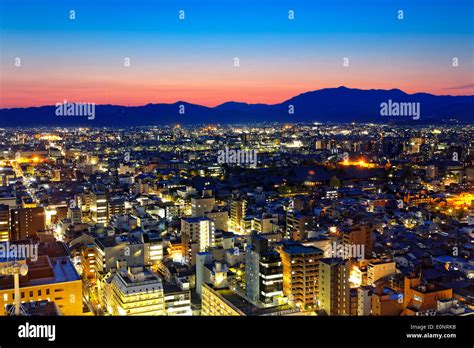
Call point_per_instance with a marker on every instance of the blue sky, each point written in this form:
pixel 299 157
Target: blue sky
pixel 192 57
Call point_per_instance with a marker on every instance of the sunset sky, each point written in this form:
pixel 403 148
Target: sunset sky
pixel 193 59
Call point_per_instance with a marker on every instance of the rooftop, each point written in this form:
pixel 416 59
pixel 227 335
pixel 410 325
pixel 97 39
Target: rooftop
pixel 297 249
pixel 44 271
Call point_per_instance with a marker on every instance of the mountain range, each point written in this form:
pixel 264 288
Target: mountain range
pixel 337 105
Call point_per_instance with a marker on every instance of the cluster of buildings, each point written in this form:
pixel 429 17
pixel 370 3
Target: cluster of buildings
pixel 354 219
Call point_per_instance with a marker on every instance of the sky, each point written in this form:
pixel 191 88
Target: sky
pixel 193 59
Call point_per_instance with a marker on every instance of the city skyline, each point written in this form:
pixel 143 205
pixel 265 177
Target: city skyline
pixel 168 164
pixel 271 219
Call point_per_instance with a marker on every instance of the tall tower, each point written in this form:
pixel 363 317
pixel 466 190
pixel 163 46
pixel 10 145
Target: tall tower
pixel 263 271
pixel 334 287
pixel 300 273
pixel 26 222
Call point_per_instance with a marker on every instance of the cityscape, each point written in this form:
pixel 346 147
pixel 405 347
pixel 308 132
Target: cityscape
pixel 236 173
pixel 239 220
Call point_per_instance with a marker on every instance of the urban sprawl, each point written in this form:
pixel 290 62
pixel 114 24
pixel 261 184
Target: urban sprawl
pixel 254 219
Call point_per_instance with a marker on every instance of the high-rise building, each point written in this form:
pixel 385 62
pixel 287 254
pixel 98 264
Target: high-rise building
pixel 298 225
pixel 210 271
pixel 26 222
pixel 116 206
pixel 88 263
pixel 99 207
pixel 238 211
pixel 202 205
pixel 220 218
pixel 265 223
pixel 360 235
pixel 353 304
pixel 364 300
pixel 74 214
pixel 197 235
pixel 136 291
pixel 177 301
pixel 4 223
pixel 334 286
pixel 263 271
pixel 300 273
pixel 153 248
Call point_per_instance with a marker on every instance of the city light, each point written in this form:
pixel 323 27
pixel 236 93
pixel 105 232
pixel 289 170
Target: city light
pixel 359 163
pixel 263 159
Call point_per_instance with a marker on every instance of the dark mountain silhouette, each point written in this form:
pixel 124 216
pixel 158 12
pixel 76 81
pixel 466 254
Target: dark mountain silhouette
pixel 337 105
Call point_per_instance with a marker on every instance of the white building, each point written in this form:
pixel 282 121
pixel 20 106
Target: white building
pixel 136 291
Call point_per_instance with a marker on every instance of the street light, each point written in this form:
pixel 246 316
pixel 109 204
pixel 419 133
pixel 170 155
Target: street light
pixel 15 269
